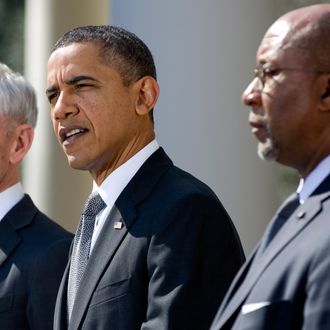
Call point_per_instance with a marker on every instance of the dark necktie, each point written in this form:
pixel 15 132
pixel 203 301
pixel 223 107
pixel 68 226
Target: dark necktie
pixel 283 213
pixel 81 246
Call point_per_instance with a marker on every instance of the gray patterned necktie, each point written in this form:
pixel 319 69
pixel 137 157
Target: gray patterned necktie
pixel 81 246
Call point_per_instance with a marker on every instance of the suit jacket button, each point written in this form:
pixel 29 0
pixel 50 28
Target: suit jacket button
pixel 301 214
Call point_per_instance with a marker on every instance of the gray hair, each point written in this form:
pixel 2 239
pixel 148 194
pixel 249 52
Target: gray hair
pixel 17 97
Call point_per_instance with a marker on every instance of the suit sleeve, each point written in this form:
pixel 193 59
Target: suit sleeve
pixel 192 260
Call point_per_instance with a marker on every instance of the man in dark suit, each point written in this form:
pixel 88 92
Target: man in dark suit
pixel 33 249
pixel 162 251
pixel 285 283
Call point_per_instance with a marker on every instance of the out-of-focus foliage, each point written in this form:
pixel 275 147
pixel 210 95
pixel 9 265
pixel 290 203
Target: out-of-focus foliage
pixel 12 33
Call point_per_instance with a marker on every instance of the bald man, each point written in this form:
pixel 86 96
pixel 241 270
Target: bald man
pixel 285 283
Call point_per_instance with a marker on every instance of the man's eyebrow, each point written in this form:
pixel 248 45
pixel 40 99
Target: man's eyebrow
pixel 51 89
pixel 71 81
pixel 77 79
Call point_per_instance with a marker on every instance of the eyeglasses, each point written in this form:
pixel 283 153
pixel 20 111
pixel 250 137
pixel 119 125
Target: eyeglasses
pixel 264 72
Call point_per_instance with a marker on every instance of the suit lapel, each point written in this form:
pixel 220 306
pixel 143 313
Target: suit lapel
pixel 295 224
pixel 104 250
pixel 8 241
pixel 138 189
pixel 302 216
pixel 19 216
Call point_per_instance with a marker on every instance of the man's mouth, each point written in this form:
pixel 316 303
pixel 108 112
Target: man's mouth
pixel 74 132
pixel 67 134
pixel 259 130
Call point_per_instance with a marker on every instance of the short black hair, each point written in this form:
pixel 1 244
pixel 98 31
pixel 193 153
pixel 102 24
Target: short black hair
pixel 121 49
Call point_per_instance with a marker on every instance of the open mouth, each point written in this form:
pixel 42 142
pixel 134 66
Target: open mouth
pixel 74 132
pixel 69 134
pixel 259 130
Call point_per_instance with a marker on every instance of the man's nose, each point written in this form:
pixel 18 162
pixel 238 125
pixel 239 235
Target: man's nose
pixel 64 107
pixel 252 94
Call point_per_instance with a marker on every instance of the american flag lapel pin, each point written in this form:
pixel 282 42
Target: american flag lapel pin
pixel 118 225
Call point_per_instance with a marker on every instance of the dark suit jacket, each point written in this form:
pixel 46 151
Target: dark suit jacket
pixel 288 287
pixel 33 255
pixel 168 266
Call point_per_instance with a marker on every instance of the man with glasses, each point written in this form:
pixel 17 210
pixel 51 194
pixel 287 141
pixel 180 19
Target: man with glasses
pixel 285 283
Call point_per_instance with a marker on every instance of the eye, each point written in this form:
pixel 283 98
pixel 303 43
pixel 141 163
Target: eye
pixel 271 72
pixel 52 97
pixel 82 85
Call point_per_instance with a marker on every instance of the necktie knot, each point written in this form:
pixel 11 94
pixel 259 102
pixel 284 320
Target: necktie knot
pixel 93 205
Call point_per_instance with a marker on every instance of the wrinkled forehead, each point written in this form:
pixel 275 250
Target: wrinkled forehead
pixel 73 59
pixel 74 52
pixel 274 41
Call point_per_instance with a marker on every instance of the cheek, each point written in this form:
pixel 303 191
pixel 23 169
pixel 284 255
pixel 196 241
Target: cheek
pixel 54 124
pixel 4 157
pixel 276 103
pixel 90 103
pixel 92 109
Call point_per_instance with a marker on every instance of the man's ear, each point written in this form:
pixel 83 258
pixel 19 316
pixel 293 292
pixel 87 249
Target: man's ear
pixel 325 96
pixel 148 92
pixel 21 142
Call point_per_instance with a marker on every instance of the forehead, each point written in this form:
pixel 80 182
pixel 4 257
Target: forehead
pixel 76 58
pixel 274 44
pixel 74 51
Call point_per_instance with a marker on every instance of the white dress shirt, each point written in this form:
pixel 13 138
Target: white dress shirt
pixel 9 198
pixel 115 183
pixel 314 179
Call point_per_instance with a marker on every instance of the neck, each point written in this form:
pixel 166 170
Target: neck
pixel 111 164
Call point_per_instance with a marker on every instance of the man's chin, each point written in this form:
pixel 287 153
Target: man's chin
pixel 75 163
pixel 267 151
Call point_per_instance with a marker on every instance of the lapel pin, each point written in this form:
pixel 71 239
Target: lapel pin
pixel 301 214
pixel 118 225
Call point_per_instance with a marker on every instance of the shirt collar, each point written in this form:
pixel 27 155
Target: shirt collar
pixel 9 198
pixel 314 179
pixel 114 184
